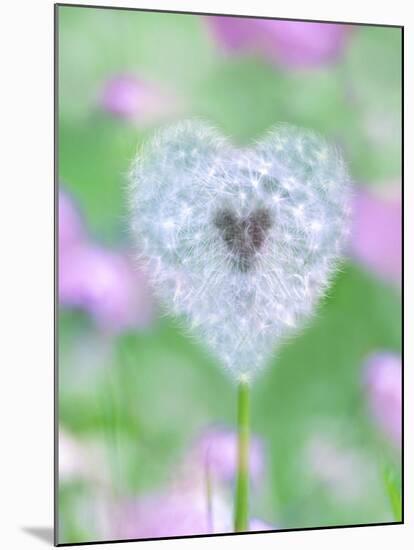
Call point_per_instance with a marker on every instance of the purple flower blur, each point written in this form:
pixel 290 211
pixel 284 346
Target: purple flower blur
pixel 97 280
pixel 71 228
pixel 196 502
pixel 383 382
pixel 103 283
pixel 377 234
pixel 171 514
pixel 216 449
pixel 260 525
pixel 294 44
pixel 177 514
pixel 129 97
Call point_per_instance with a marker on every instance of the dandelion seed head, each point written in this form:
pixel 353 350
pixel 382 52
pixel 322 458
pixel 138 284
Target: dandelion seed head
pixel 241 243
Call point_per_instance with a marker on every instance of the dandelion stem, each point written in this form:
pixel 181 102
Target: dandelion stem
pixel 241 514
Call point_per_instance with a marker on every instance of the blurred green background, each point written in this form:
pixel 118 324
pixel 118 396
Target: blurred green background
pixel 142 396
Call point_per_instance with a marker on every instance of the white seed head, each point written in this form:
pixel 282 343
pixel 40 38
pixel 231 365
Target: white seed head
pixel 240 243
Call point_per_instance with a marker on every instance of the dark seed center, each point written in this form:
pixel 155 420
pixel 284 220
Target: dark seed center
pixel 244 237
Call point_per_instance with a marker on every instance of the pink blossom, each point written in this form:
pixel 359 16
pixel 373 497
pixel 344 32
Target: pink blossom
pixel 295 44
pixel 71 227
pixel 383 382
pixel 174 514
pixel 260 525
pixel 98 280
pixel 377 234
pixel 104 283
pixel 129 97
pixel 197 501
pixel 216 450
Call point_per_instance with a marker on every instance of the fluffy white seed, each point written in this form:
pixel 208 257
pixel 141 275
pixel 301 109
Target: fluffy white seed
pixel 240 243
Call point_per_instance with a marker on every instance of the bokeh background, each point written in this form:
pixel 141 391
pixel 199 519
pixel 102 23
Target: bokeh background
pixel 146 416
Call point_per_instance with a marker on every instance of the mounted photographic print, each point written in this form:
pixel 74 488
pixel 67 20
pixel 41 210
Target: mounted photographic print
pixel 228 274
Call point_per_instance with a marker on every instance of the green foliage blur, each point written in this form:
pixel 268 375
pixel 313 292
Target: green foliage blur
pixel 143 397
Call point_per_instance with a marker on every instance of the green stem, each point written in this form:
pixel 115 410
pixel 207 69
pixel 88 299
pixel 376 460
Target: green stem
pixel 241 515
pixel 392 487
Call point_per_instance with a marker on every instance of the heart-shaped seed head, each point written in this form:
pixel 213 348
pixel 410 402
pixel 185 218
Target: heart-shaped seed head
pixel 241 243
